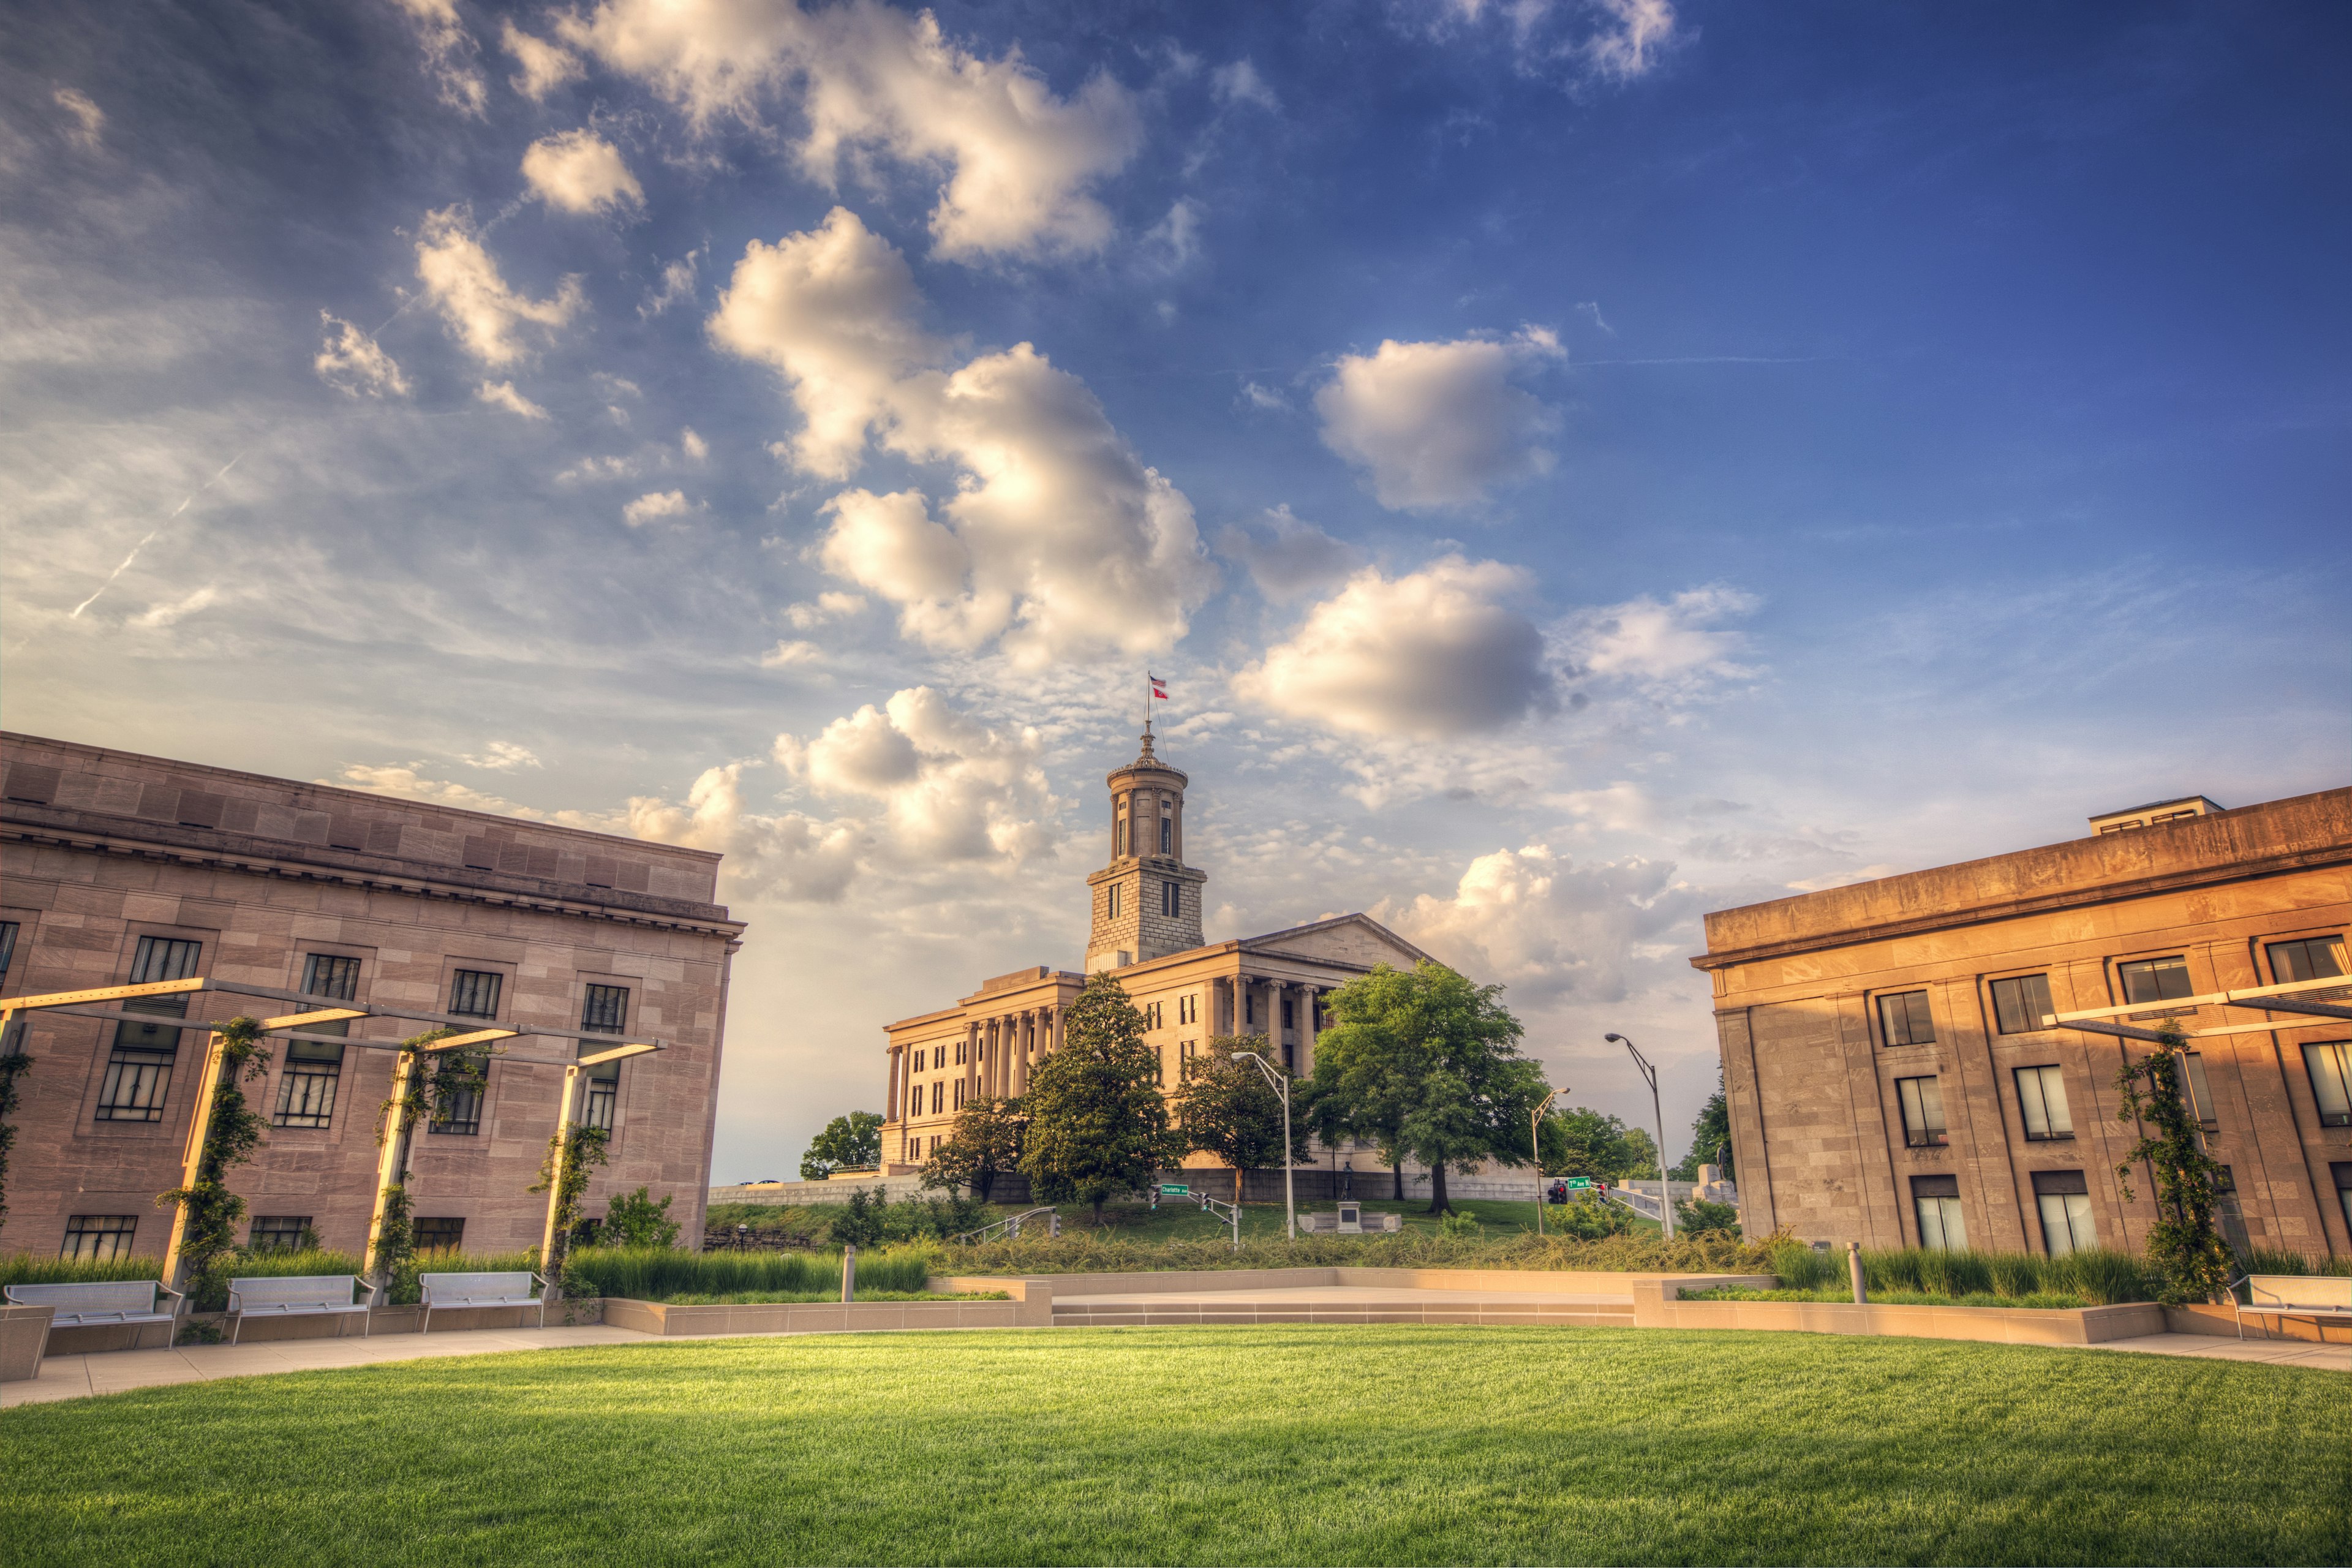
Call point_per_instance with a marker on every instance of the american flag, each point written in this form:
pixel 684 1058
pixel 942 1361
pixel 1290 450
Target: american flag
pixel 1159 687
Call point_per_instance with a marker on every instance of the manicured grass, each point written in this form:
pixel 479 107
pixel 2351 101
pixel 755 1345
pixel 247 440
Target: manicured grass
pixel 2042 1300
pixel 1404 1445
pixel 776 1297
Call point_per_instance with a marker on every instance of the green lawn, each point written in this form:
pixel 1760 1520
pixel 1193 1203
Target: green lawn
pixel 1179 1220
pixel 1278 1445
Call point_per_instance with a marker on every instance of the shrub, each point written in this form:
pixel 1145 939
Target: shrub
pixel 33 1268
pixel 1093 1252
pixel 636 1220
pixel 661 1274
pixel 1700 1217
pixel 1458 1223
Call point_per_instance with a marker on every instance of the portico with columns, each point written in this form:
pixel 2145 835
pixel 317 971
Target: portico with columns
pixel 1145 927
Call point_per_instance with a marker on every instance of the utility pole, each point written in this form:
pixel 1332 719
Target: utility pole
pixel 1665 1193
pixel 1535 1147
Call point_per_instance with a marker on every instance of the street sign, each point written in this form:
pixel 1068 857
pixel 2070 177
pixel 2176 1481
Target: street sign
pixel 1578 1184
pixel 1174 1190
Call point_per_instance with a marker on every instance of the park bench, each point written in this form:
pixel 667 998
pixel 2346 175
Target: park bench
pixel 452 1291
pixel 2319 1297
pixel 294 1296
pixel 100 1304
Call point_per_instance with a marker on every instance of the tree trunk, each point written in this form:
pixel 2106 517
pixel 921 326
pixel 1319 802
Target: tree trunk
pixel 1396 1168
pixel 983 1183
pixel 1438 1200
pixel 1237 1186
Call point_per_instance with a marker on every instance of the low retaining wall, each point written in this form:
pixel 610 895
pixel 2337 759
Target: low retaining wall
pixel 24 1331
pixel 1500 1282
pixel 1657 1304
pixel 1032 1307
pixel 97 1338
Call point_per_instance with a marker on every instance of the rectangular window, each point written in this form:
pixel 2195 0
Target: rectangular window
pixel 440 1235
pixel 305 1091
pixel 7 946
pixel 2343 1172
pixel 474 994
pixel 1904 1020
pixel 2318 958
pixel 958 1094
pixel 1936 1201
pixel 2199 1093
pixel 99 1237
pixel 602 1095
pixel 1171 899
pixel 2330 1063
pixel 939 1096
pixel 1167 836
pixel 139 1069
pixel 2064 1200
pixel 2154 980
pixel 962 1045
pixel 1114 901
pixel 2041 1098
pixel 1922 1111
pixel 2232 1218
pixel 278 1232
pixel 2019 1003
pixel 326 975
pixel 1249 1005
pixel 459 1113
pixel 605 1010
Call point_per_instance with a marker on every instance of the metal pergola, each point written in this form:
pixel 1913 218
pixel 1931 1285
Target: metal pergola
pixel 2314 1003
pixel 291 1026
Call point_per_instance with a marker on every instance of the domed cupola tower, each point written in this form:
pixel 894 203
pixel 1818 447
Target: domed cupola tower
pixel 1147 901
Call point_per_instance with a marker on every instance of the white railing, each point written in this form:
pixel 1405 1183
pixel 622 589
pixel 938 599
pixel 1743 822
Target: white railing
pixel 1010 1229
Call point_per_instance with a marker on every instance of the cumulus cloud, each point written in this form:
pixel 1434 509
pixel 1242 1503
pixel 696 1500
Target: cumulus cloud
pixel 830 606
pixel 1439 424
pixel 950 789
pixel 503 394
pixel 1546 927
pixel 1631 37
pixel 1021 162
pixel 1055 538
pixel 678 286
pixel 1434 652
pixel 693 448
pixel 580 171
pixel 464 285
pixel 790 654
pixel 504 757
pixel 545 66
pixel 355 364
pixel 792 856
pixel 1675 641
pixel 654 507
pixel 409 782
pixel 1286 556
pixel 85 119
pixel 449 54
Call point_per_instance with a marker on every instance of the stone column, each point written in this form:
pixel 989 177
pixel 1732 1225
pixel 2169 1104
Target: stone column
pixel 898 1100
pixel 1309 997
pixel 1276 990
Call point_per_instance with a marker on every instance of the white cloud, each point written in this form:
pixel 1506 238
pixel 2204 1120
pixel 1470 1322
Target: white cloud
pixel 504 757
pixel 1437 652
pixel 355 364
pixel 463 283
pixel 1176 238
pixel 1546 927
pixel 678 288
pixel 580 171
pixel 1286 556
pixel 951 789
pixel 1021 162
pixel 654 506
pixel 88 118
pixel 503 394
pixel 1629 42
pixel 1672 642
pixel 693 446
pixel 1055 538
pixel 1264 398
pixel 1439 424
pixel 600 471
pixel 156 617
pixel 793 855
pixel 1240 83
pixel 545 66
pixel 409 782
pixel 449 54
pixel 1625 43
pixel 790 653
pixel 830 606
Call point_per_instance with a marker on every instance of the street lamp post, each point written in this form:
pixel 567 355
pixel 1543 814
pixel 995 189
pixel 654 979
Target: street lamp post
pixel 1535 1147
pixel 1665 1193
pixel 1281 1081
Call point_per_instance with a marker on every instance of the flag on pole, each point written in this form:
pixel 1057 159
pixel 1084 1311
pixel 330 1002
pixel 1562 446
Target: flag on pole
pixel 1159 687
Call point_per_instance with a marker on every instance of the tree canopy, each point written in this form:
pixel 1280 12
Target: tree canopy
pixel 1226 1107
pixel 984 1145
pixel 851 1142
pixel 1098 1125
pixel 1427 1064
pixel 1710 1138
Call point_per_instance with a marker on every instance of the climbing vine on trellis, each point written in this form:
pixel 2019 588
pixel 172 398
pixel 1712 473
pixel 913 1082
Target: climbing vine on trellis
pixel 12 1063
pixel 434 1083
pixel 208 1210
pixel 565 1169
pixel 2184 1247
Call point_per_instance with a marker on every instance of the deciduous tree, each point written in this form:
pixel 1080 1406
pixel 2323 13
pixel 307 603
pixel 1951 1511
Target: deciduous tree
pixel 1098 1125
pixel 984 1145
pixel 851 1142
pixel 1227 1108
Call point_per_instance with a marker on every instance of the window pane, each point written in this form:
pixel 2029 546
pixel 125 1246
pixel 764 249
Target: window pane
pixel 458 1100
pixel 2200 1094
pixel 440 1235
pixel 1941 1229
pixel 99 1235
pixel 2019 1003
pixel 474 994
pixel 7 946
pixel 2318 958
pixel 1903 1019
pixel 2042 1100
pixel 2154 980
pixel 138 1076
pixel 306 1095
pixel 164 958
pixel 2082 1233
pixel 605 1009
pixel 324 974
pixel 277 1233
pixel 2330 1067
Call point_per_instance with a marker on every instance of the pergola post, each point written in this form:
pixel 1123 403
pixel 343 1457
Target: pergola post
pixel 555 1177
pixel 200 1127
pixel 392 1164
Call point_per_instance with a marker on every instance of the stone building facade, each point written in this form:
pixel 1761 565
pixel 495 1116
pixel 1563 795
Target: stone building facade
pixel 1147 927
pixel 1891 1078
pixel 121 867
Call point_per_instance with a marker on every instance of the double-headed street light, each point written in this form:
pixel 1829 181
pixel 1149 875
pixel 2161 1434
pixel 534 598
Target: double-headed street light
pixel 1282 1082
pixel 1665 1193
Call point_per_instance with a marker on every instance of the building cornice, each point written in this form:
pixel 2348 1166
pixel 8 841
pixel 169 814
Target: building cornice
pixel 1993 911
pixel 57 828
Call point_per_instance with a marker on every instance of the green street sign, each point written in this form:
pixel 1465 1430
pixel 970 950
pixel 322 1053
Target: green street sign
pixel 1174 1190
pixel 1578 1184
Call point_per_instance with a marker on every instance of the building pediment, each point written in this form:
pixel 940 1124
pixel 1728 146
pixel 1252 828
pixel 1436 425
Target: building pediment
pixel 1357 941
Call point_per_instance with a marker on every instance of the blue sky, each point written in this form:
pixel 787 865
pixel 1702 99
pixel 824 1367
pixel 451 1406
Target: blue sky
pixel 1579 464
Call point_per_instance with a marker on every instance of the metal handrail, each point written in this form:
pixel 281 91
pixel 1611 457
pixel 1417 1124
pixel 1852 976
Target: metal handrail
pixel 1010 1228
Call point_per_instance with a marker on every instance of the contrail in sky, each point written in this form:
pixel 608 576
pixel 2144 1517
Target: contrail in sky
pixel 151 532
